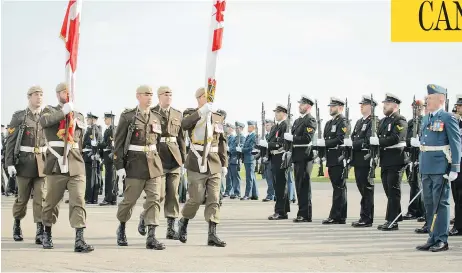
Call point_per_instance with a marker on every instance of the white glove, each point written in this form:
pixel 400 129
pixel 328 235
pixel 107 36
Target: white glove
pixel 265 159
pixel 288 137
pixel 205 109
pixel 321 143
pixel 238 149
pixel 95 157
pixel 452 176
pixel 68 107
pixel 415 142
pixel 348 142
pixel 224 170
pixel 374 141
pixel 11 170
pixel 263 143
pixel 121 173
pixel 94 143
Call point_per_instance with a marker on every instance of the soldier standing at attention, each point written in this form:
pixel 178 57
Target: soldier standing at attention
pixel 391 138
pixel 275 145
pixel 230 140
pixel 456 185
pixel 360 148
pixel 172 151
pixel 204 179
pixel 91 140
pixel 440 156
pixel 251 190
pixel 60 176
pixel 107 145
pixel 136 158
pixel 25 157
pixel 334 135
pixel 302 156
pixel 266 164
pixel 235 160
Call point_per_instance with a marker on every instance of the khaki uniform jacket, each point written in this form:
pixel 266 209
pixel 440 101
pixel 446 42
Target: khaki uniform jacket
pixel 50 119
pixel 215 160
pixel 30 164
pixel 171 127
pixel 139 165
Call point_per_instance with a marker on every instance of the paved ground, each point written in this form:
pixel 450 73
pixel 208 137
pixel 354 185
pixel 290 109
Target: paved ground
pixel 254 243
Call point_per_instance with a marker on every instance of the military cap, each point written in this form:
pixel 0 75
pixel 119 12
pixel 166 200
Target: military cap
pixel 34 89
pixel 163 90
pixel 229 125
pixel 90 115
pixel 61 87
pixel 251 122
pixel 306 100
pixel 454 109
pixel 144 89
pixel 109 115
pixel 3 126
pixel 436 89
pixel 391 98
pixel 269 121
pixel 336 102
pixel 458 100
pixel 280 108
pixel 239 124
pixel 367 100
pixel 200 92
pixel 221 112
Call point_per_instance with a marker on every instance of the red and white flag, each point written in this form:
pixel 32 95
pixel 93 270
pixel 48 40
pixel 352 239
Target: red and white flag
pixel 214 45
pixel 70 32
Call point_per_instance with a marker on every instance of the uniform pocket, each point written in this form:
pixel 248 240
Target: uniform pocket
pixel 174 127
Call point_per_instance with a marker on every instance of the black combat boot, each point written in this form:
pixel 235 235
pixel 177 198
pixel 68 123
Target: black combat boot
pixel 17 232
pixel 151 241
pixel 182 230
pixel 141 226
pixel 171 233
pixel 121 237
pixel 80 244
pixel 213 239
pixel 39 234
pixel 47 241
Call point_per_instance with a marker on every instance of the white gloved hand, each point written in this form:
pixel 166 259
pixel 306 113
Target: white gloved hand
pixel 121 173
pixel 94 143
pixel 224 170
pixel 321 143
pixel 68 107
pixel 263 143
pixel 348 142
pixel 415 142
pixel 374 141
pixel 205 109
pixel 11 170
pixel 288 137
pixel 238 149
pixel 452 176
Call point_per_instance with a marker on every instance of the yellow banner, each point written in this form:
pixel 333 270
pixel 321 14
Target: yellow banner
pixel 426 21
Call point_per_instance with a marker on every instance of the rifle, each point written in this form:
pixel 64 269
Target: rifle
pixel 347 154
pixel 374 152
pixel 115 182
pixel 257 137
pixel 94 161
pixel 239 155
pixel 446 107
pixel 321 150
pixel 414 151
pixel 17 144
pixel 287 158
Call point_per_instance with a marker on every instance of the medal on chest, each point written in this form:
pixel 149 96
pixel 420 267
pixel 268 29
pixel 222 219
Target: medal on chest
pixel 364 127
pixel 437 126
pixel 155 127
pixel 334 129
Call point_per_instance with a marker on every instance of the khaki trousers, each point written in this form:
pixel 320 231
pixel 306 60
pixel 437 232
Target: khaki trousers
pixel 134 187
pixel 56 186
pixel 198 183
pixel 25 186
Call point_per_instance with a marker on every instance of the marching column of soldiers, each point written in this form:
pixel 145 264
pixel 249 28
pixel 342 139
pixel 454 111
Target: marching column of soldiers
pixel 153 148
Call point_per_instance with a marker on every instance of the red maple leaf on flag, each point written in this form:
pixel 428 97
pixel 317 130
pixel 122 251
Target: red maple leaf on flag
pixel 220 6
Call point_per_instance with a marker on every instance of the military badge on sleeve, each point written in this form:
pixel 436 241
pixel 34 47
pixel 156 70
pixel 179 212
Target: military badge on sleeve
pixel 309 130
pixel 344 129
pixel 400 128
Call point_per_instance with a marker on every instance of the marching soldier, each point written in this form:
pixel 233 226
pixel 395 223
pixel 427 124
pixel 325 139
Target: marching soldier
pixel 440 156
pixel 208 178
pixel 91 156
pixel 235 160
pixel 64 175
pixel 360 147
pixel 25 156
pixel 251 190
pixel 266 164
pixel 275 145
pixel 456 185
pixel 334 134
pixel 302 157
pixel 172 150
pixel 391 138
pixel 229 190
pixel 137 160
pixel 107 146
pixel 4 169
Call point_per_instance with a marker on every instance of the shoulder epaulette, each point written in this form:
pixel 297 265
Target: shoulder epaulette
pixel 127 110
pixel 189 111
pixel 156 112
pixel 19 112
pixel 176 110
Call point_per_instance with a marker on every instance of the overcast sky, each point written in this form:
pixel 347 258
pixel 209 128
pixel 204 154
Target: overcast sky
pixel 270 49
